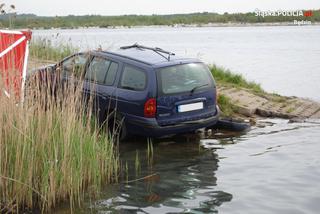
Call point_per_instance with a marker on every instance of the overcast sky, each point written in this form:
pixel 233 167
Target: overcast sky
pixel 120 7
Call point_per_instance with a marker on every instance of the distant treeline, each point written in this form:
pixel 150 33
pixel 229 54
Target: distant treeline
pixel 71 21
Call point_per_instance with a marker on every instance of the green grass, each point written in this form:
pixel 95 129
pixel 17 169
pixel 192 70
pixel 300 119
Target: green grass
pixel 44 49
pixel 223 76
pixel 50 152
pixel 226 106
pixel 290 110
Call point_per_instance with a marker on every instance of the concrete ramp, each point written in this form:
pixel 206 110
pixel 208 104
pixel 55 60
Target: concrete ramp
pixel 250 103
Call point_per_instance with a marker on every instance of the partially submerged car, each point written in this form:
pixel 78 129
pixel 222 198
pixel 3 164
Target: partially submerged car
pixel 150 92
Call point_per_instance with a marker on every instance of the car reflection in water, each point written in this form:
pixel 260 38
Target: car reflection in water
pixel 180 177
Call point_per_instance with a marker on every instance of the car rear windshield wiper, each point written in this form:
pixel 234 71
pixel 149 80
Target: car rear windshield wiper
pixel 196 87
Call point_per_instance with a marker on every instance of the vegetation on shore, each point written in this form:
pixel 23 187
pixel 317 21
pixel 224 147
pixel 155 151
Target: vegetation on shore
pixel 50 150
pixel 44 49
pixel 226 106
pixel 32 21
pixel 226 77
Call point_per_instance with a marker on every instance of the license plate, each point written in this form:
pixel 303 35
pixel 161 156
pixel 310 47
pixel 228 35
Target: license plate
pixel 190 107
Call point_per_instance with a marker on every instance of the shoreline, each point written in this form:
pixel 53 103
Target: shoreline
pixel 250 105
pixel 229 24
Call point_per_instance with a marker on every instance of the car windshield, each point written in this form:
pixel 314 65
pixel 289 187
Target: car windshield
pixel 184 78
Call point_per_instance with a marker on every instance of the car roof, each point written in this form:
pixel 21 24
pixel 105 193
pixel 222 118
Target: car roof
pixel 150 57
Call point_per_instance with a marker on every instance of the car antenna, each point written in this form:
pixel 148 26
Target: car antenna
pixel 156 50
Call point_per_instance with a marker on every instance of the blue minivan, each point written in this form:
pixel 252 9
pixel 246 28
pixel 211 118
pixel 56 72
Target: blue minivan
pixel 146 91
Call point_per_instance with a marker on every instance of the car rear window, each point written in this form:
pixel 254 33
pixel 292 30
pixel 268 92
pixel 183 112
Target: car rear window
pixel 184 78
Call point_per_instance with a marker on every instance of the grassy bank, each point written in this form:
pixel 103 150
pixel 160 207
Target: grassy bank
pixel 226 77
pixel 50 151
pixel 226 106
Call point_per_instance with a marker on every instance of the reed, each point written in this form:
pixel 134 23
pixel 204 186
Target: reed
pixel 149 152
pixel 46 49
pixel 50 151
pixel 137 163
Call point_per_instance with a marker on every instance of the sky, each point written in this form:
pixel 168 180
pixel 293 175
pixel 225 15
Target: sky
pixel 148 7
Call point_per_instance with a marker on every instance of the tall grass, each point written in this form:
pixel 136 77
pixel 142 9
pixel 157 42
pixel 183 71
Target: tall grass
pixel 44 49
pixel 50 151
pixel 149 151
pixel 223 76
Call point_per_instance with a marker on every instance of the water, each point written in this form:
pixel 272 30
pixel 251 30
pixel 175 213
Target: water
pixel 274 168
pixel 284 60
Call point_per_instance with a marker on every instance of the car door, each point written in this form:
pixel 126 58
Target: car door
pixel 72 68
pixel 68 72
pixel 99 81
pixel 132 90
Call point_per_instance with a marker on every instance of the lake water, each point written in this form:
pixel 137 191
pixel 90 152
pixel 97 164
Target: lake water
pixel 274 168
pixel 285 60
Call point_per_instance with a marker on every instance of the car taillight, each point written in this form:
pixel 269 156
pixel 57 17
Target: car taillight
pixel 150 108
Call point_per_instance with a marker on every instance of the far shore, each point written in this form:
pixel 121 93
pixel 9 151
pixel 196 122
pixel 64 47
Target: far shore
pixel 229 24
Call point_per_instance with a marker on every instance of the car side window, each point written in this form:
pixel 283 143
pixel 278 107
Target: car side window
pixel 97 70
pixel 111 74
pixel 74 66
pixel 133 78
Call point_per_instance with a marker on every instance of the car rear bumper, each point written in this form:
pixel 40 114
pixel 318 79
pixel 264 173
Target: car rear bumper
pixel 149 127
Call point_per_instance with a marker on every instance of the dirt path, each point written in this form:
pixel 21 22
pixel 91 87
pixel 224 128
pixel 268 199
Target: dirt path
pixel 251 104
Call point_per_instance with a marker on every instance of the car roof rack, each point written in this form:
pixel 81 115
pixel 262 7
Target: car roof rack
pixel 155 49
